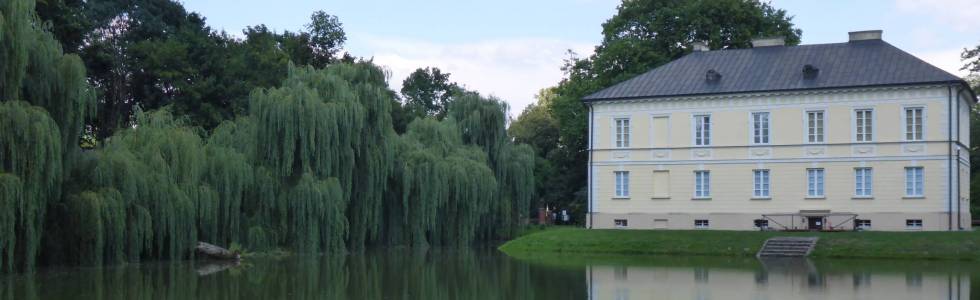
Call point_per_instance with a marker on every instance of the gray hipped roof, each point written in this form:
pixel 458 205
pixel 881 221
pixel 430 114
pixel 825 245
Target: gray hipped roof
pixel 780 68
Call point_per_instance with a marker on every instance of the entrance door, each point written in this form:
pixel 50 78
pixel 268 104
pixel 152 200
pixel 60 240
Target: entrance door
pixel 814 223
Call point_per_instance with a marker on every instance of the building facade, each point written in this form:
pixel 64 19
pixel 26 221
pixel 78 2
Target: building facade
pixel 855 135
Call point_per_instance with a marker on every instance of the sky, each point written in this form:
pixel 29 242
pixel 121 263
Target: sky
pixel 513 48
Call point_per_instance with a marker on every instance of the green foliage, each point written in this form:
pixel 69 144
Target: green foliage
pixel 428 92
pixel 447 187
pixel 11 201
pixel 31 150
pixel 310 165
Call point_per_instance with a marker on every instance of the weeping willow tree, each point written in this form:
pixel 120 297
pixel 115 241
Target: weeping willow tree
pixel 446 186
pixel 11 198
pixel 331 123
pixel 316 166
pixel 44 100
pixel 483 123
pixel 31 152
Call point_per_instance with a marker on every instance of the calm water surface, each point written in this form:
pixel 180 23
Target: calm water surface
pixel 488 274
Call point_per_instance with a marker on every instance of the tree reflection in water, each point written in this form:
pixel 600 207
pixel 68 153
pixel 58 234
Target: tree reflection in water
pixel 488 274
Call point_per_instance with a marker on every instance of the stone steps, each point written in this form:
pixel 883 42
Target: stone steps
pixel 787 247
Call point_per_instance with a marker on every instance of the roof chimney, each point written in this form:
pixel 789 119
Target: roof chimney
pixel 864 35
pixel 768 42
pixel 700 46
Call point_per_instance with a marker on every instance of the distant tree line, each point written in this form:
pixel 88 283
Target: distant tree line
pixel 129 130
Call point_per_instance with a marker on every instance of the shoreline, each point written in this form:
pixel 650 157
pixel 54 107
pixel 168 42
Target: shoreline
pixel 960 246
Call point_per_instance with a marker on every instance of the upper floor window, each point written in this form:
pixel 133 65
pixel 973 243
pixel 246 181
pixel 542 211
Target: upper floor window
pixel 814 126
pixel 862 182
pixel 913 181
pixel 760 128
pixel 913 124
pixel 622 133
pixel 863 125
pixel 702 184
pixel 622 184
pixel 761 187
pixel 702 130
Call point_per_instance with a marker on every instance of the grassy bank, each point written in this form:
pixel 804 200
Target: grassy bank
pixel 916 245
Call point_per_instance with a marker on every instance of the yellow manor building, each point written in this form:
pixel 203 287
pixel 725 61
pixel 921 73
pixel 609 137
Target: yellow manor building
pixel 843 136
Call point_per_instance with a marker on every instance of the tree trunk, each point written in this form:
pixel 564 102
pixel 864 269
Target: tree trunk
pixel 215 252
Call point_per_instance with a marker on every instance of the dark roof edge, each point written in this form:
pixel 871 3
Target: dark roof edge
pixel 960 81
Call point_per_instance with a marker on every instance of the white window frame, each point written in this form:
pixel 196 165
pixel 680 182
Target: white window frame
pixel 702 223
pixel 622 138
pixel 868 133
pixel 921 124
pixel 622 181
pixel 913 224
pixel 818 137
pixel 702 138
pixel 702 184
pixel 761 184
pixel 760 128
pixel 815 182
pixel 863 182
pixel 914 182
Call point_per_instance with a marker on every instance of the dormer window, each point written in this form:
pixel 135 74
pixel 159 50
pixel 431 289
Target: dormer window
pixel 810 72
pixel 712 76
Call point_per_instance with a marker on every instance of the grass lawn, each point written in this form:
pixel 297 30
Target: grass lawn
pixel 918 245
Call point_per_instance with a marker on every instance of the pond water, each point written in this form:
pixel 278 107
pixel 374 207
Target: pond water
pixel 488 274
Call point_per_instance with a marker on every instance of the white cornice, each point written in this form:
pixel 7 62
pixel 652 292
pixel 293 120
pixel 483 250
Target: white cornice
pixel 730 96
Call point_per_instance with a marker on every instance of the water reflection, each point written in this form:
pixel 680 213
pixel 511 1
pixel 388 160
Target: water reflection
pixel 396 274
pixel 487 274
pixel 706 278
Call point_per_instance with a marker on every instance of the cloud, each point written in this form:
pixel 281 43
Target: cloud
pixel 512 69
pixel 959 14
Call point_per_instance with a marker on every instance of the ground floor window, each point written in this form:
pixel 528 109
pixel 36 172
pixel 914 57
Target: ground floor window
pixel 620 222
pixel 913 223
pixel 622 184
pixel 862 224
pixel 701 224
pixel 762 223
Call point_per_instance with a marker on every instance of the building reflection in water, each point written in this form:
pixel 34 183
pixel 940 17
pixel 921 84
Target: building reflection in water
pixel 777 279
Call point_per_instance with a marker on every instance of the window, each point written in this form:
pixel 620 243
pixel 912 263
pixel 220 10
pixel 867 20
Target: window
pixel 620 223
pixel 913 182
pixel 761 223
pixel 760 128
pixel 814 125
pixel 862 224
pixel 622 184
pixel 913 124
pixel 622 133
pixel 913 224
pixel 702 184
pixel 701 224
pixel 814 183
pixel 863 129
pixel 661 184
pixel 862 182
pixel 702 130
pixel 761 187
